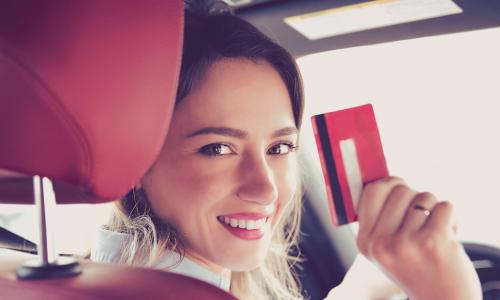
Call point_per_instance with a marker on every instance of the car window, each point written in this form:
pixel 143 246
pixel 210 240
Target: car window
pixel 436 100
pixel 73 226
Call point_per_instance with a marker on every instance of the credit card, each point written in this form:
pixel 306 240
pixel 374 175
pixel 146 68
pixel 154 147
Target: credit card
pixel 351 155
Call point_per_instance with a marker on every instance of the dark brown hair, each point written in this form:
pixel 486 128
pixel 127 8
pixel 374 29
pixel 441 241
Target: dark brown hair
pixel 211 35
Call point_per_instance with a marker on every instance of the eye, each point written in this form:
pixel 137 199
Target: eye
pixel 281 149
pixel 215 149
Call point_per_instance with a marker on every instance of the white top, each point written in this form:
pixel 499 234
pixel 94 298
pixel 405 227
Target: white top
pixel 108 245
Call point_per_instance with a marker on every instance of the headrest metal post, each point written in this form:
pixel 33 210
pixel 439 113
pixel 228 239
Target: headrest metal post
pixel 47 265
pixel 44 202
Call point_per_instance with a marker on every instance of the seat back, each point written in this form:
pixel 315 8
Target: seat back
pixel 106 282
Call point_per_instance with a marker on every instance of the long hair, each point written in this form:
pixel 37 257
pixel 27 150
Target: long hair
pixel 210 35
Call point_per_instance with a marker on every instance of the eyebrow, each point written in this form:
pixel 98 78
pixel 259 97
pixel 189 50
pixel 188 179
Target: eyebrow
pixel 285 131
pixel 237 133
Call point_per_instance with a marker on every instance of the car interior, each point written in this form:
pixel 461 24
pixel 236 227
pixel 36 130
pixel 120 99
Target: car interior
pixel 65 87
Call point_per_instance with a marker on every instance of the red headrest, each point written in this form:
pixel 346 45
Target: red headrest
pixel 86 93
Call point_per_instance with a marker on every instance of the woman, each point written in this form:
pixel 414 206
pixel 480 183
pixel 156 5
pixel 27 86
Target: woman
pixel 222 201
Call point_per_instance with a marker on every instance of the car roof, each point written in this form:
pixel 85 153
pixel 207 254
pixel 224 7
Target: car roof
pixel 269 16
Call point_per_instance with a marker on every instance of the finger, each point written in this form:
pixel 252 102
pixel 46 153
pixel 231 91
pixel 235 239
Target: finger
pixel 372 201
pixel 415 218
pixel 394 210
pixel 440 219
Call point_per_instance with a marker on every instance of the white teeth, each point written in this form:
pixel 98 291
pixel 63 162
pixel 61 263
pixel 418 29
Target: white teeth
pixel 242 223
pixel 250 224
pixel 246 224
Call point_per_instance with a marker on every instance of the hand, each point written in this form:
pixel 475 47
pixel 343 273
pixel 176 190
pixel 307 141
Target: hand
pixel 419 252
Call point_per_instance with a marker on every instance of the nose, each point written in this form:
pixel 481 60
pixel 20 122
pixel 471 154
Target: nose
pixel 257 181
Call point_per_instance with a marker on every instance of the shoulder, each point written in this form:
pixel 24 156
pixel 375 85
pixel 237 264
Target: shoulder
pixel 108 245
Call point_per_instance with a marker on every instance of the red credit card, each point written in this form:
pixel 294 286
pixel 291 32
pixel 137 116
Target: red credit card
pixel 351 155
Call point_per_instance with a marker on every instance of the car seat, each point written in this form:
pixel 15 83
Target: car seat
pixel 86 94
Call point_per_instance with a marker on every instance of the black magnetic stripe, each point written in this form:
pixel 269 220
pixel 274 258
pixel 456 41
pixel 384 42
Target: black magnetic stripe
pixel 331 169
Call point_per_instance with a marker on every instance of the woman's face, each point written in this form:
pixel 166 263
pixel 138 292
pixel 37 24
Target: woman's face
pixel 228 167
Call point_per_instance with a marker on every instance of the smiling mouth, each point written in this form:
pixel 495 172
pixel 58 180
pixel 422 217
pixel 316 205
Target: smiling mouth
pixel 256 224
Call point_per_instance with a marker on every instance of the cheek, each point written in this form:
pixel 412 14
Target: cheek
pixel 204 178
pixel 288 182
pixel 181 188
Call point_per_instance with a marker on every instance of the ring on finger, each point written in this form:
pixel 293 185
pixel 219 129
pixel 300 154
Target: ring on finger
pixel 425 211
pixel 418 212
